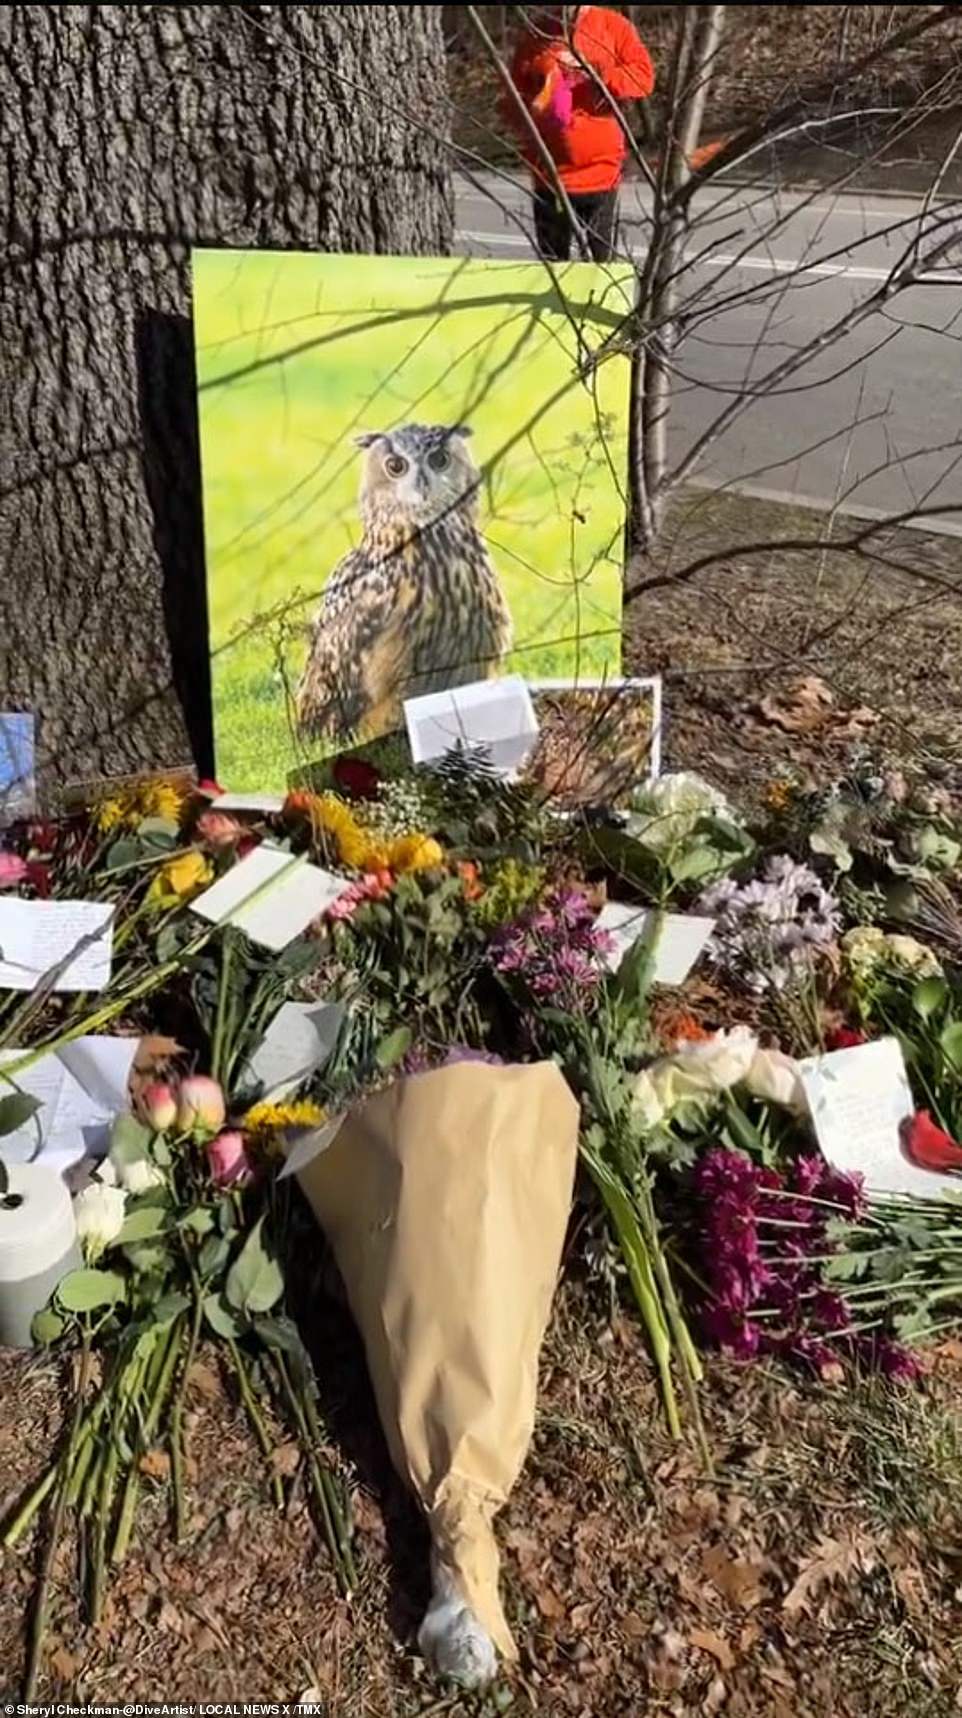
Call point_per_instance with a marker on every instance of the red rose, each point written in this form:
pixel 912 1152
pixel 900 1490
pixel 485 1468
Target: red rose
pixel 925 1143
pixel 38 876
pixel 356 777
pixel 42 837
pixel 844 1038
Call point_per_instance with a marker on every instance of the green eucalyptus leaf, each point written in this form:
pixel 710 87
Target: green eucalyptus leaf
pixel 213 1255
pixel 392 1049
pixel 200 1221
pixel 88 1290
pixel 159 833
pixel 255 1281
pixel 170 1306
pixel 16 1109
pixel 47 1326
pixel 129 1139
pixel 123 852
pixel 220 1318
pixel 936 849
pixel 929 996
pixel 142 1224
pixel 169 942
pixel 827 842
pixel 950 1040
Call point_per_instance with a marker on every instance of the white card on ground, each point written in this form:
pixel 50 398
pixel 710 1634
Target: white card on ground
pixel 81 1088
pixel 859 1099
pixel 297 894
pixel 682 939
pixel 298 1042
pixel 266 803
pixel 497 715
pixel 38 936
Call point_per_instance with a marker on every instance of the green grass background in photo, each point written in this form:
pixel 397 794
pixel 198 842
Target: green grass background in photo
pixel 299 353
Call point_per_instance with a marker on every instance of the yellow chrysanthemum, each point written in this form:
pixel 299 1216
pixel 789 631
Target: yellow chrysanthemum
pixel 161 799
pixel 111 814
pixel 180 877
pixel 269 1118
pixel 415 853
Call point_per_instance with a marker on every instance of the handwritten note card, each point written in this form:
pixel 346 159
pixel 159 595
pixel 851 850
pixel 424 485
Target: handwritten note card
pixel 859 1099
pixel 71 939
pixel 80 1088
pixel 298 1041
pixel 682 938
pixel 496 716
pixel 271 895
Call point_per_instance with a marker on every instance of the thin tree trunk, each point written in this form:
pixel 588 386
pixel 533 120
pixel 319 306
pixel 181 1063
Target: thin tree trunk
pixel 699 35
pixel 128 135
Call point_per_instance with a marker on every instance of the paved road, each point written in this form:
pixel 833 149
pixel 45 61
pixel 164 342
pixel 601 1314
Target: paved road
pixel 888 395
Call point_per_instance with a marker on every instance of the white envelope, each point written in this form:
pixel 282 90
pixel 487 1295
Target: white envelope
pixel 497 715
pixel 683 938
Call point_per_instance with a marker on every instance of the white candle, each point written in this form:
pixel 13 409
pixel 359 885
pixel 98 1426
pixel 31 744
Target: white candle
pixel 38 1246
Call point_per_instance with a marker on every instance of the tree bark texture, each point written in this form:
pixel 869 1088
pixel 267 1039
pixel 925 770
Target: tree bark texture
pixel 127 135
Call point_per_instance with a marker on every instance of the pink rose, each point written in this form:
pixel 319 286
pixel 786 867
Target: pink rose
pixel 217 829
pixel 200 1105
pixel 159 1106
pixel 228 1161
pixel 13 870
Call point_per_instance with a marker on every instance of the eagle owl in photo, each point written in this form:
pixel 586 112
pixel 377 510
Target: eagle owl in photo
pixel 417 606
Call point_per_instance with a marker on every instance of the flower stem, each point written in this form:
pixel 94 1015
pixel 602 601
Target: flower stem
pixel 160 1381
pixel 177 1421
pixel 335 1531
pixel 256 1419
pixel 39 1619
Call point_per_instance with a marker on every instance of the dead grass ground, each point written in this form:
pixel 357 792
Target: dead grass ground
pixel 751 625
pixel 816 1574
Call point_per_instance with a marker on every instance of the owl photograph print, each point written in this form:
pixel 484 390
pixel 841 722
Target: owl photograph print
pixel 414 477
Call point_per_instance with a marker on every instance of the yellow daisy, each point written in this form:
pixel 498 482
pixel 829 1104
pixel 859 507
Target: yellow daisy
pixel 267 1118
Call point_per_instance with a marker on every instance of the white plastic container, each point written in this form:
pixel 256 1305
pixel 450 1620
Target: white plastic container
pixel 38 1246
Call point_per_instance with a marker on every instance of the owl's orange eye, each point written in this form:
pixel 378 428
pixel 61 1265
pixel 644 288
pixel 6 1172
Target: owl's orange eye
pixel 440 459
pixel 395 466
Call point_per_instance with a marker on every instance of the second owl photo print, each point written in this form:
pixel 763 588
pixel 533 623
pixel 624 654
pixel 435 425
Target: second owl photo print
pixel 414 477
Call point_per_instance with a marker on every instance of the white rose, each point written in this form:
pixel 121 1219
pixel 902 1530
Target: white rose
pixel 909 952
pixel 646 1102
pixel 99 1213
pixel 774 1077
pixel 667 811
pixel 713 1064
pixel 140 1176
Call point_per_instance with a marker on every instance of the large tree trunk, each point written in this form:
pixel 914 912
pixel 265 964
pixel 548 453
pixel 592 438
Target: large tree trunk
pixel 128 134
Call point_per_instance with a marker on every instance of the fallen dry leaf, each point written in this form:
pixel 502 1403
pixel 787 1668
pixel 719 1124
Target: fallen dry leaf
pixel 63 1664
pixel 831 1560
pixel 735 1578
pixel 715 1698
pixel 204 1379
pixel 810 706
pixel 715 1644
pixel 286 1459
pixel 155 1464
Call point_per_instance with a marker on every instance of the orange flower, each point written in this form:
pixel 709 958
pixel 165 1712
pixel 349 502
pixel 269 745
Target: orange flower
pixel 685 1029
pixel 471 886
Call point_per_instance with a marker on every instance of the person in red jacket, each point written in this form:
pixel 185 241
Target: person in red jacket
pixel 576 120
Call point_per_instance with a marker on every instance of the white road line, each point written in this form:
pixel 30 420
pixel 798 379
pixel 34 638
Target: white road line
pixel 936 524
pixel 771 265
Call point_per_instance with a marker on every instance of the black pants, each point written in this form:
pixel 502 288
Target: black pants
pixel 597 213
